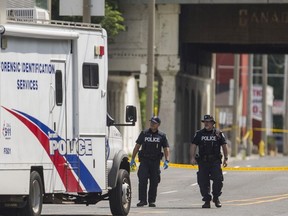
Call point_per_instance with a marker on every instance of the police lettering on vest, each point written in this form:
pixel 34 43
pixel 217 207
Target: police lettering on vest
pixel 209 138
pixel 152 139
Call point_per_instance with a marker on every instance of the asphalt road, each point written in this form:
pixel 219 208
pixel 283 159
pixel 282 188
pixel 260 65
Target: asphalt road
pixel 246 193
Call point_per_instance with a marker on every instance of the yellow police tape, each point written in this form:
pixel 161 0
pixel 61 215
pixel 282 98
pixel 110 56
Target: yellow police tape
pixel 274 130
pixel 253 169
pixel 189 166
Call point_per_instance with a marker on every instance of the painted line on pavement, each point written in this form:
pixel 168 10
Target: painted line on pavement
pixel 169 192
pixel 257 200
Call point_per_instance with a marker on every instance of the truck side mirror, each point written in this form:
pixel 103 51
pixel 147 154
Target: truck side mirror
pixel 110 120
pixel 131 114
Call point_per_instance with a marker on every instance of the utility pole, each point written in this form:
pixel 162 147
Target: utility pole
pixel 249 105
pixel 86 11
pixel 285 117
pixel 213 86
pixel 235 105
pixel 49 8
pixel 150 61
pixel 264 100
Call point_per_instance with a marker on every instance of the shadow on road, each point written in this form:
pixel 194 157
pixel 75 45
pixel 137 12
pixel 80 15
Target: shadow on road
pixel 75 215
pixel 171 207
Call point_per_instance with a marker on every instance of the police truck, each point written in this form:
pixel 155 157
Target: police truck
pixel 58 144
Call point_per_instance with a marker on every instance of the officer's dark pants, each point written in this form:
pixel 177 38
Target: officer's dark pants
pixel 148 169
pixel 207 171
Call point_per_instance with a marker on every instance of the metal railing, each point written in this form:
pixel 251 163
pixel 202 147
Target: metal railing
pixel 58 23
pixel 29 16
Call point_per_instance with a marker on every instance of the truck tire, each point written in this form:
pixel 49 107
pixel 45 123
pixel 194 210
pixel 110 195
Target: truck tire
pixel 120 196
pixel 8 212
pixel 34 203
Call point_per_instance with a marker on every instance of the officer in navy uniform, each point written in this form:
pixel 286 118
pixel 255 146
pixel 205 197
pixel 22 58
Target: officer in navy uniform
pixel 209 141
pixel 151 141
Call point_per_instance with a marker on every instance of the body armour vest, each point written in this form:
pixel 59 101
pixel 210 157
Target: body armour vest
pixel 152 143
pixel 209 142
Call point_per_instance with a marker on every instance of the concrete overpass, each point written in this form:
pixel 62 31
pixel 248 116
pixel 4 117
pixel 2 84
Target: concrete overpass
pixel 188 32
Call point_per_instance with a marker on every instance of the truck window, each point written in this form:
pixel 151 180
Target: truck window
pixel 59 88
pixel 90 74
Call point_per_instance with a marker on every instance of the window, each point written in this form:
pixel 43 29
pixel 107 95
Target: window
pixel 59 88
pixel 90 75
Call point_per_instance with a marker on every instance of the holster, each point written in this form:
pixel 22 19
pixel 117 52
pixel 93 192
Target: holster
pixel 197 158
pixel 140 155
pixel 161 155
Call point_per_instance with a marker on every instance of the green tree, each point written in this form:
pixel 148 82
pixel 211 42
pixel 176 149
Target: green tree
pixel 112 21
pixel 143 100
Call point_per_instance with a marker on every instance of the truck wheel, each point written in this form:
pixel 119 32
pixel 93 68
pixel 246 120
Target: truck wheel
pixel 120 196
pixel 33 206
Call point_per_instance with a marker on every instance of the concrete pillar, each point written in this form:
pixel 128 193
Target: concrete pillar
pixel 3 6
pixel 168 65
pixel 167 110
pixel 213 86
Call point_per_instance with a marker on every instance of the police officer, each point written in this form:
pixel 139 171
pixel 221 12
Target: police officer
pixel 209 140
pixel 151 141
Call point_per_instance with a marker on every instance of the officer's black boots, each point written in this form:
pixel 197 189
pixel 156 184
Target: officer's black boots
pixel 152 205
pixel 141 204
pixel 217 202
pixel 206 204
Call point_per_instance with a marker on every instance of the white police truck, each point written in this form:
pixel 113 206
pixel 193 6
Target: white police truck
pixel 57 142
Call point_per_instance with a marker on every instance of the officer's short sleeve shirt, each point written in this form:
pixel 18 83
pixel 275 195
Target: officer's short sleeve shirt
pixel 141 138
pixel 222 139
pixel 197 138
pixel 164 140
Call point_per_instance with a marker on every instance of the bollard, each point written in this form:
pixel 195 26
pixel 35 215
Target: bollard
pixel 262 148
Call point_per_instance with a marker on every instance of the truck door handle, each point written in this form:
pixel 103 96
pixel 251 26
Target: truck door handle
pixel 52 98
pixel 103 93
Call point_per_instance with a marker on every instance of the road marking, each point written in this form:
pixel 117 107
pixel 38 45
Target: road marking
pixel 148 212
pixel 169 192
pixel 284 168
pixel 257 200
pixel 236 167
